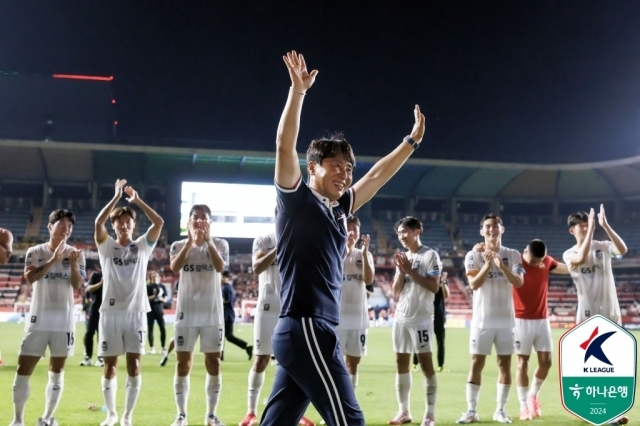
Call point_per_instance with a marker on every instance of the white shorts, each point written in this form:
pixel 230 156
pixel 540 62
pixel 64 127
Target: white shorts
pixel 482 340
pixel 122 332
pixel 35 343
pixel 211 338
pixel 412 339
pixel 263 326
pixel 532 333
pixel 353 342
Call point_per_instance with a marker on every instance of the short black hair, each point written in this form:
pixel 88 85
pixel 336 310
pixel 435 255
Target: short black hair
pixel 119 211
pixel 60 214
pixel 354 220
pixel 202 207
pixel 408 222
pixel 329 147
pixel 577 218
pixel 491 216
pixel 537 248
pixel 226 274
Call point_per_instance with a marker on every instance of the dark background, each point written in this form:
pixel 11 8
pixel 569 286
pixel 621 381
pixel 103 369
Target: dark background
pixel 527 81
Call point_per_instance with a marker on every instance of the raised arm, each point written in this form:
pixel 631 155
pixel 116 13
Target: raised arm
pixel 619 247
pixel 100 232
pixel 386 167
pixel 368 271
pixel 6 245
pixel 581 255
pixel 287 165
pixel 156 221
pixel 260 261
pixel 76 260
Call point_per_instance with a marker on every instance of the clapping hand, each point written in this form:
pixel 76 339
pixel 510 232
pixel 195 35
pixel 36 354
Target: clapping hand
pixel 132 193
pixel 402 262
pixel 366 240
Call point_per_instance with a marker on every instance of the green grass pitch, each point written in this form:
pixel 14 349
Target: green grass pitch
pixel 376 390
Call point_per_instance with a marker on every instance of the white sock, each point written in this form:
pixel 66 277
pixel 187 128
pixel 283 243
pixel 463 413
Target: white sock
pixel 431 388
pixel 212 385
pixel 53 392
pixel 256 380
pixel 181 386
pixel 536 385
pixel 522 396
pixel 473 392
pixel 503 395
pixel 20 395
pixel 354 380
pixel 109 390
pixel 131 394
pixel 403 388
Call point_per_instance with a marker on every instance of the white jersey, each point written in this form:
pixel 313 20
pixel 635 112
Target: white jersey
pixel 416 302
pixel 594 282
pixel 52 300
pixel 353 301
pixel 124 270
pixel 493 302
pixel 269 282
pixel 199 291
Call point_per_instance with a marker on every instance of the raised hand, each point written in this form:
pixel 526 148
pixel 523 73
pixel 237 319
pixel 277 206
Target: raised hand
pixel 602 218
pixel 59 251
pixel 191 231
pixel 120 183
pixel 402 262
pixel 132 193
pixel 366 240
pixel 73 257
pixel 301 79
pixel 591 224
pixel 205 231
pixel 488 256
pixel 418 127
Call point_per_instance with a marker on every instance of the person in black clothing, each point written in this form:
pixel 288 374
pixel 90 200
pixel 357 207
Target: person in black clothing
pixel 93 292
pixel 439 318
pixel 157 296
pixel 228 301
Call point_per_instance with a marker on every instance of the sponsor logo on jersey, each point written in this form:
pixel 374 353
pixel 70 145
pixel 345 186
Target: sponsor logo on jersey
pixel 359 263
pixel 66 262
pixel 598 254
pixel 197 268
pixel 133 248
pixel 124 262
pixel 505 260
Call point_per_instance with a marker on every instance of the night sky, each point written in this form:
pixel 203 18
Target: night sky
pixel 527 81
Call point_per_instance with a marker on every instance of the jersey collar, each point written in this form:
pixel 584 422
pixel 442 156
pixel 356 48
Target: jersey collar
pixel 324 200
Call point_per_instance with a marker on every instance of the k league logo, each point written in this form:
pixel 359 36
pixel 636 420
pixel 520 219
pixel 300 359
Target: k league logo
pixel 598 360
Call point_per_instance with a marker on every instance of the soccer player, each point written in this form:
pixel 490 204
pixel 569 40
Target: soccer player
pixel 312 234
pixel 94 291
pixel 532 329
pixel 229 301
pixel 55 269
pixel 157 297
pixel 590 265
pixel 6 245
pixel 416 282
pixel 354 322
pixel 123 322
pixel 589 262
pixel 491 275
pixel 200 258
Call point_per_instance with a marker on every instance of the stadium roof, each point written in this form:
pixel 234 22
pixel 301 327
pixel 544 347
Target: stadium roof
pixel 78 163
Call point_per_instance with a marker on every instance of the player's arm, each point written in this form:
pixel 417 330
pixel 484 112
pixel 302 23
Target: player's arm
pixel 153 233
pixel 580 256
pixel 93 287
pixel 287 172
pixel 76 262
pixel 477 278
pixel 368 271
pixel 515 278
pixel 560 269
pixel 444 284
pixel 386 167
pixel 619 247
pixel 33 273
pixel 100 232
pixel 398 282
pixel 260 260
pixel 6 245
